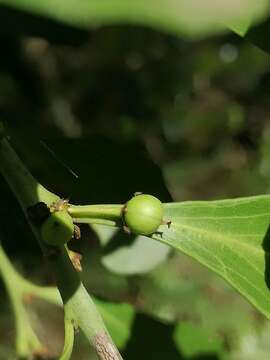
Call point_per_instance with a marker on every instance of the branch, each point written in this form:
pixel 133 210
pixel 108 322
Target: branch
pixel 78 305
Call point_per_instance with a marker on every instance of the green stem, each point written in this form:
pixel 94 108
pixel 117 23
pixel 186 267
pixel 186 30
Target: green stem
pixel 111 213
pixel 69 339
pixel 78 304
pixel 26 340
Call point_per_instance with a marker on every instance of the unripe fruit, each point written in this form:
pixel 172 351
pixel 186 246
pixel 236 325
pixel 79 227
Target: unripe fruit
pixel 58 228
pixel 143 214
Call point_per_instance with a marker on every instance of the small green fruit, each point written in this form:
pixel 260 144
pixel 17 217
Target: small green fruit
pixel 143 214
pixel 58 228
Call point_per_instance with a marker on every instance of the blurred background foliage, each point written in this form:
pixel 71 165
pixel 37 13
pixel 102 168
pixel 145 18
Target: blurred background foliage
pixel 129 108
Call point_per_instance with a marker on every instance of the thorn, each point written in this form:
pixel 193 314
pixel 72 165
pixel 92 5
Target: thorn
pixel 77 232
pixel 76 260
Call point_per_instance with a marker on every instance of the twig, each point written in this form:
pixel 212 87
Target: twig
pixel 78 305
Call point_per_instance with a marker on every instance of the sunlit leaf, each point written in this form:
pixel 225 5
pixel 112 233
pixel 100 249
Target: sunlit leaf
pixel 193 339
pixel 254 345
pixel 231 237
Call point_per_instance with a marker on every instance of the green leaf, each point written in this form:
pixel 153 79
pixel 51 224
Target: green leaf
pixel 118 319
pixel 192 339
pixel 257 34
pixel 189 17
pixel 231 237
pixel 242 25
pixel 254 345
pixel 132 254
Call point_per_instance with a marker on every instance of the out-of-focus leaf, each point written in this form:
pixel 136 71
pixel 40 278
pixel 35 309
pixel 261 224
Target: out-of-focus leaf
pixel 253 345
pixel 129 254
pixel 193 339
pixel 231 237
pixel 118 319
pixel 190 17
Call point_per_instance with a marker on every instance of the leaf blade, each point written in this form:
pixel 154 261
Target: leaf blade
pixel 228 236
pixel 184 17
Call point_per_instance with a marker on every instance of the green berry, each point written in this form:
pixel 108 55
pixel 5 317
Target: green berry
pixel 58 228
pixel 143 214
